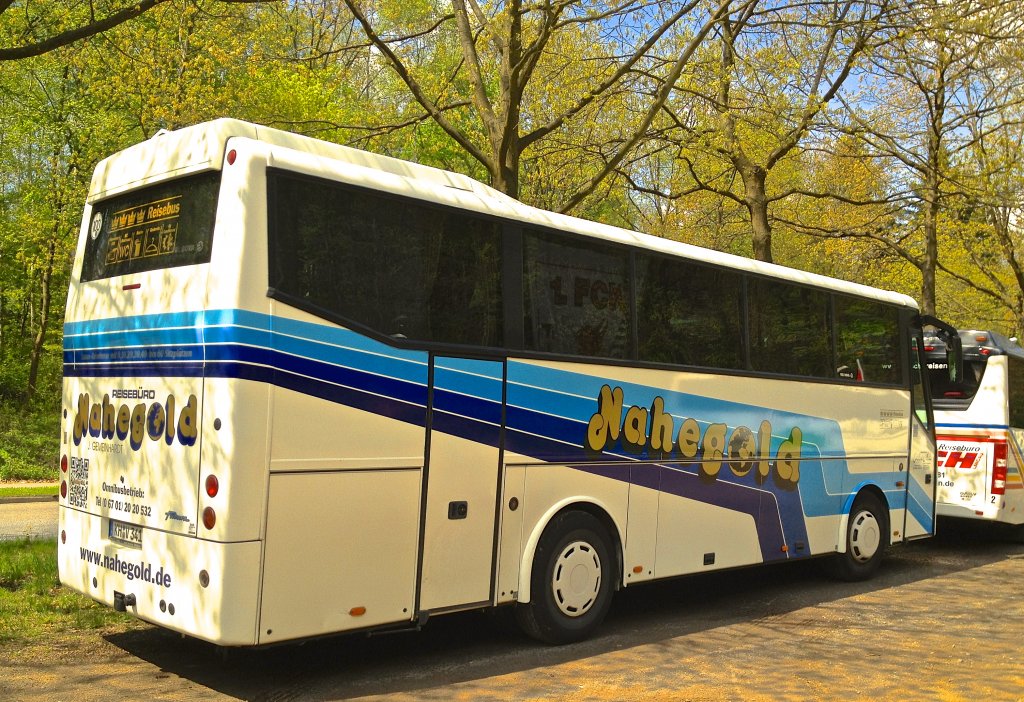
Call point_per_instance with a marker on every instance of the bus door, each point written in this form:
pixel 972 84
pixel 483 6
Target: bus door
pixel 919 517
pixel 464 439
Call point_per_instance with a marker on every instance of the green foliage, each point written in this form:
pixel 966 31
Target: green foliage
pixel 839 203
pixel 33 604
pixel 29 441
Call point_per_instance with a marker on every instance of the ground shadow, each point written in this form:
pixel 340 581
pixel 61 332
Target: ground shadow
pixel 473 645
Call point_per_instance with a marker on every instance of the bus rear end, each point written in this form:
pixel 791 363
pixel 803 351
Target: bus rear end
pixel 979 435
pixel 145 477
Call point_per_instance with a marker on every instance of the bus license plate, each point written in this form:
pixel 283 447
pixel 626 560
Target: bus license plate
pixel 125 533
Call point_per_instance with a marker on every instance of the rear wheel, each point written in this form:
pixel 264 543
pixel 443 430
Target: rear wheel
pixel 867 538
pixel 572 582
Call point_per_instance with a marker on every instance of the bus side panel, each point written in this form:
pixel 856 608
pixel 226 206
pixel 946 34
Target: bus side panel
pixel 640 549
pixel 341 552
pixel 550 488
pixel 510 534
pixel 695 536
pixel 462 480
pixel 234 453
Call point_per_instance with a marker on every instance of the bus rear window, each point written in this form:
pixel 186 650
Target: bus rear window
pixel 950 395
pixel 162 226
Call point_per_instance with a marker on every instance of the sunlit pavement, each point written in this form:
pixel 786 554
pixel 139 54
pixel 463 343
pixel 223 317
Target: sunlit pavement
pixel 36 519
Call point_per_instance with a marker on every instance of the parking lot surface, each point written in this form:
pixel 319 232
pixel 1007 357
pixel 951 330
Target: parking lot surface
pixel 944 620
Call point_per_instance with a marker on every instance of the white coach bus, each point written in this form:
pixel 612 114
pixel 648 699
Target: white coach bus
pixel 310 390
pixel 980 427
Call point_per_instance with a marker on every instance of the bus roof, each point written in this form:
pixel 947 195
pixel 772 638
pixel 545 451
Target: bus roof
pixel 201 147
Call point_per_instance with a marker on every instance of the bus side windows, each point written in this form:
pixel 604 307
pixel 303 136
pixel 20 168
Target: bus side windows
pixel 689 314
pixel 789 329
pixel 867 341
pixel 404 269
pixel 576 297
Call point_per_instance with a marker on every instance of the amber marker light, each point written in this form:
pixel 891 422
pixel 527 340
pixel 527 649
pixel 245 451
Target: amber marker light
pixel 357 611
pixel 212 485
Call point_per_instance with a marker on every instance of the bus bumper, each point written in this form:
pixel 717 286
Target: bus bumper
pixel 204 589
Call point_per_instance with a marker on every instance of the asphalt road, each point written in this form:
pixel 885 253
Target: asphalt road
pixel 943 620
pixel 34 519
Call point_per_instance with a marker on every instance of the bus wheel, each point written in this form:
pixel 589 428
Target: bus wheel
pixel 572 582
pixel 867 538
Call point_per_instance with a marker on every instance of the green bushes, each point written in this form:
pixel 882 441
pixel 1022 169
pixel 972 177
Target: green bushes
pixel 29 440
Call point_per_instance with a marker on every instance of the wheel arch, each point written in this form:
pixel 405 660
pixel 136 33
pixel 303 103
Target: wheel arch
pixel 593 507
pixel 864 488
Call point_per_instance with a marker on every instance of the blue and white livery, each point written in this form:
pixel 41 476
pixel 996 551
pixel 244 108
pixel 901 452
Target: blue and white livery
pixel 310 390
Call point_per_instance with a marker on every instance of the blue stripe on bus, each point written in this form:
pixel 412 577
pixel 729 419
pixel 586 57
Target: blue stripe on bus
pixel 973 426
pixel 919 503
pixel 546 416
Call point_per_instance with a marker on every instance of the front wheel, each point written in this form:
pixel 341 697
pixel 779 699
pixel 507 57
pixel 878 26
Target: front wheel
pixel 572 582
pixel 867 538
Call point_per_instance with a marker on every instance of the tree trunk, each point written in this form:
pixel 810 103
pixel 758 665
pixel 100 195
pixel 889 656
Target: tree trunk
pixel 44 319
pixel 756 200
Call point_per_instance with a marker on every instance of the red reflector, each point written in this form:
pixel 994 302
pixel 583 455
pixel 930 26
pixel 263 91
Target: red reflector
pixel 952 393
pixel 63 488
pixel 209 517
pixel 232 155
pixel 131 286
pixel 63 536
pixel 212 485
pixel 64 464
pixel 999 468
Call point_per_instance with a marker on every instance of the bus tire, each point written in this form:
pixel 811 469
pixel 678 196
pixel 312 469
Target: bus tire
pixel 572 581
pixel 867 538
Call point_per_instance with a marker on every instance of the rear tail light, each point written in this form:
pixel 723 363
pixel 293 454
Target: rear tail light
pixel 209 517
pixel 63 488
pixel 64 463
pixel 999 468
pixel 212 485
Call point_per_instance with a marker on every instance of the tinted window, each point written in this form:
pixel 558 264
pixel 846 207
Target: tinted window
pixel 162 226
pixel 404 269
pixel 689 314
pixel 945 392
pixel 576 297
pixel 1015 395
pixel 867 340
pixel 917 394
pixel 789 329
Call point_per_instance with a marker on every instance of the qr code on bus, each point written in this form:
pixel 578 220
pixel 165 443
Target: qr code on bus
pixel 78 487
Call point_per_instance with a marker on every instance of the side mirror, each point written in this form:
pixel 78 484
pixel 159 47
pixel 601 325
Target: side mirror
pixel 954 346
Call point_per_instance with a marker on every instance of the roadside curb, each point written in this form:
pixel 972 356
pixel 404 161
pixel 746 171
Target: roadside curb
pixel 28 498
